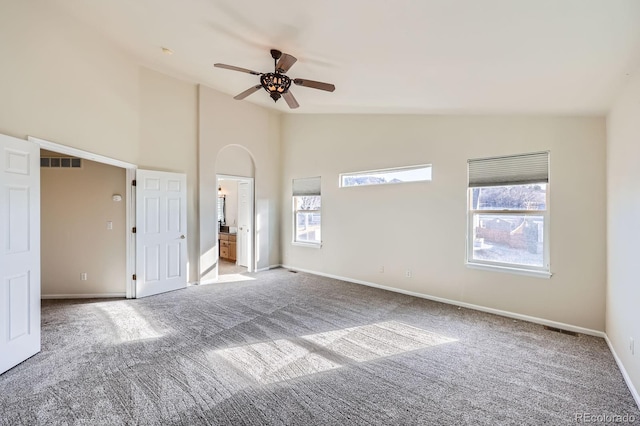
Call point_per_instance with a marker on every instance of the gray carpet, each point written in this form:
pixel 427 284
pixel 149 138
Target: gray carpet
pixel 295 349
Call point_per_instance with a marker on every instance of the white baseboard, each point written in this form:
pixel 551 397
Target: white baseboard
pixel 83 296
pixel 268 268
pixel 507 314
pixel 625 375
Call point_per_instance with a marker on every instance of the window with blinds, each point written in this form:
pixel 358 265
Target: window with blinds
pixel 307 214
pixel 508 212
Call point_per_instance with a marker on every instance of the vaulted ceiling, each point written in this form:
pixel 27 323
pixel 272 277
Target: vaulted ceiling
pixel 404 56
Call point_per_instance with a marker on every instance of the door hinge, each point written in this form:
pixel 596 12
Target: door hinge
pixel 133 230
pixel 133 182
pixel 134 277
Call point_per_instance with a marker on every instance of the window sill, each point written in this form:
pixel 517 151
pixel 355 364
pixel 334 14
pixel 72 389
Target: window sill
pixel 310 245
pixel 517 271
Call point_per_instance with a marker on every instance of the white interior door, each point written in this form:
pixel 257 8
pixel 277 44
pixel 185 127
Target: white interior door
pixel 161 232
pixel 19 251
pixel 245 216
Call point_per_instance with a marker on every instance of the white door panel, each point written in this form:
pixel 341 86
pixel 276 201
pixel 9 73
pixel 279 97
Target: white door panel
pixel 19 251
pixel 245 219
pixel 161 229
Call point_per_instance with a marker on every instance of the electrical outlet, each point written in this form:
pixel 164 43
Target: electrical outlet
pixel 109 225
pixel 381 269
pixel 83 276
pixel 632 346
pixel 408 273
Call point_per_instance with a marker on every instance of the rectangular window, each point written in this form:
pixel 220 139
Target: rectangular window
pixel 509 212
pixel 306 207
pixel 387 176
pixel 221 210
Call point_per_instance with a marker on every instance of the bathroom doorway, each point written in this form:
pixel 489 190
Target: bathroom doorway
pixel 235 225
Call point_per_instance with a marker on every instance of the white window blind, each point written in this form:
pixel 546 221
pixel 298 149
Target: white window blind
pixel 306 186
pixel 512 170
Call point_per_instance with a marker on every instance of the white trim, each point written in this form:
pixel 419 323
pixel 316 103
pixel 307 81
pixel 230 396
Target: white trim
pixel 269 268
pixel 130 201
pixel 131 237
pixel 625 375
pixel 500 312
pixel 63 149
pixel 83 296
pixel 518 271
pixel 310 245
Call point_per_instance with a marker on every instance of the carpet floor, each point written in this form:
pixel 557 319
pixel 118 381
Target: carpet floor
pixel 289 348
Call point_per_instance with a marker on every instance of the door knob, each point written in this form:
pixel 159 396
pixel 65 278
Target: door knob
pixel 182 237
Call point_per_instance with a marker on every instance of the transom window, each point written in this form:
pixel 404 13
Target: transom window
pixel 509 212
pixel 387 176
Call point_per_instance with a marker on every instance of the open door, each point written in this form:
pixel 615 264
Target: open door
pixel 19 251
pixel 245 219
pixel 161 232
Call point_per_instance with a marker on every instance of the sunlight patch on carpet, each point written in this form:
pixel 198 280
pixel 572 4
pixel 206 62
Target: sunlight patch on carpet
pixel 127 322
pixel 277 360
pixel 232 278
pixel 369 342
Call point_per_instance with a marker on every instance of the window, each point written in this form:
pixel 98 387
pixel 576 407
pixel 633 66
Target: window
pixel 386 176
pixel 509 212
pixel 221 210
pixel 306 207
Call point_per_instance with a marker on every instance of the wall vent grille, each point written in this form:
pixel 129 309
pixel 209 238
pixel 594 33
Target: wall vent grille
pixel 61 162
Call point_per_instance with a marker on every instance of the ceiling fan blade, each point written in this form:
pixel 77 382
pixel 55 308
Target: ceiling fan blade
pixel 291 100
pixel 285 63
pixel 232 68
pixel 247 92
pixel 314 84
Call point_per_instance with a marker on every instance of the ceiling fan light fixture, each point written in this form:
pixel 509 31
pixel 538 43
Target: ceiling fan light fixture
pixel 275 84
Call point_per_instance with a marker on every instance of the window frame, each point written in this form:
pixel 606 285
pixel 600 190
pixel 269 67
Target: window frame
pixel 341 176
pixel 305 187
pixel 543 271
pixel 295 241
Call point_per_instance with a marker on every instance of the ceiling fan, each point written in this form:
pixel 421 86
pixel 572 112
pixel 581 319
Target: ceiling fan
pixel 277 83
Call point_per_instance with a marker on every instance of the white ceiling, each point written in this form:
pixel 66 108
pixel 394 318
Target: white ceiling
pixel 384 56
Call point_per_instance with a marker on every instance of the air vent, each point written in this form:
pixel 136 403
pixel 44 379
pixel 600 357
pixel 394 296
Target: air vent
pixel 61 162
pixel 559 330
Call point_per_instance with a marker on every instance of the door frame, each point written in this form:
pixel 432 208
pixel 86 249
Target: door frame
pixel 129 199
pixel 253 266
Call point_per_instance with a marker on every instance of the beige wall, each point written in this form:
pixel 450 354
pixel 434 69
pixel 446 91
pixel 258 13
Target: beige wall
pixel 254 134
pixel 169 141
pixel 76 205
pixel 623 227
pixel 422 226
pixel 62 82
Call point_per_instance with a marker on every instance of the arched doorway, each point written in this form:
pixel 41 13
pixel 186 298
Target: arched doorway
pixel 235 213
